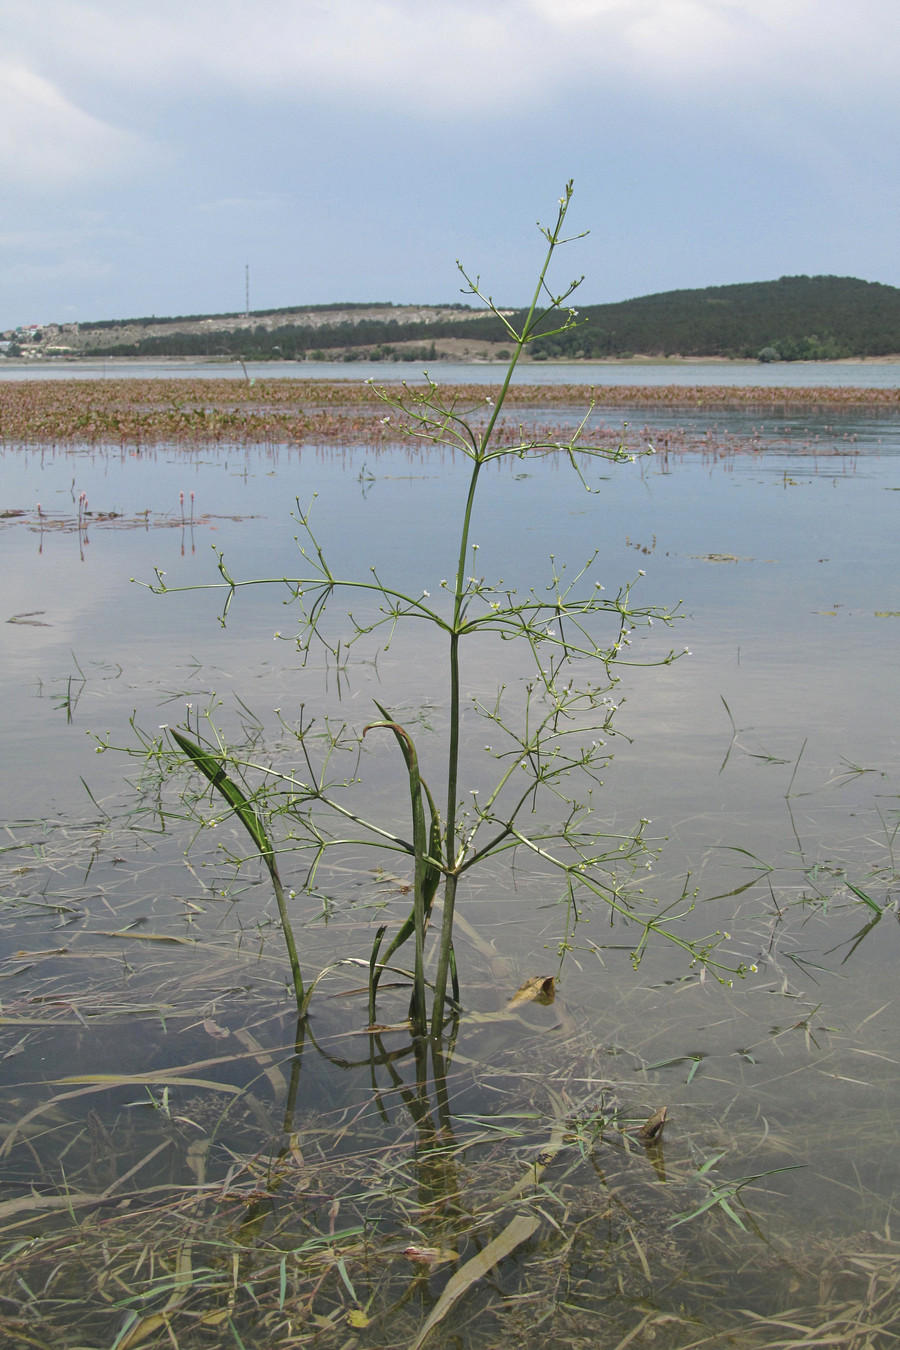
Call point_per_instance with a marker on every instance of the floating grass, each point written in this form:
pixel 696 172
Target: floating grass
pixel 542 1216
pixel 190 413
pixel 223 1179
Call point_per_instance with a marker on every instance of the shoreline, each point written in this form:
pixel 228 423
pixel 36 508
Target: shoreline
pixel 605 362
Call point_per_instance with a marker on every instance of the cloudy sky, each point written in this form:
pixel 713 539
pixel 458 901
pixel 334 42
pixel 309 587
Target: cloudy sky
pixel 353 149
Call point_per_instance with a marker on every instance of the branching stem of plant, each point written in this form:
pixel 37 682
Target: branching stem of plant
pixel 558 737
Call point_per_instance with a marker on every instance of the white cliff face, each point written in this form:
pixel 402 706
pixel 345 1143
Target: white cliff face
pixel 85 337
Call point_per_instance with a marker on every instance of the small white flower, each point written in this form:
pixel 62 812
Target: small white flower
pixel 426 594
pixel 687 652
pixel 754 968
pixel 443 581
pixel 641 572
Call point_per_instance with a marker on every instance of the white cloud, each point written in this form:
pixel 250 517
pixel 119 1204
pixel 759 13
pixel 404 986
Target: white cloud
pixel 732 46
pixel 46 142
pixel 453 55
pixel 393 50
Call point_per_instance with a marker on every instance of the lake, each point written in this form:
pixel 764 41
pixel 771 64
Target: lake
pixel 772 375
pixel 180 1163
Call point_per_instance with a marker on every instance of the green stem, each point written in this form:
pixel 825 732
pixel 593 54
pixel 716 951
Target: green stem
pixel 296 977
pixel 454 862
pixel 440 979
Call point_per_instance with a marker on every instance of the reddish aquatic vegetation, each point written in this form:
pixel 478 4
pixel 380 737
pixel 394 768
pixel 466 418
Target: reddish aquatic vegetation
pixel 306 412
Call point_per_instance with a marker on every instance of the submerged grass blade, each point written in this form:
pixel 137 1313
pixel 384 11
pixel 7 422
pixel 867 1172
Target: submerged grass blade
pixel 517 1231
pixel 720 1195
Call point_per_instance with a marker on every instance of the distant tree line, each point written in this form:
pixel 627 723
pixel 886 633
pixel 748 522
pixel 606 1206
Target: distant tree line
pixel 794 318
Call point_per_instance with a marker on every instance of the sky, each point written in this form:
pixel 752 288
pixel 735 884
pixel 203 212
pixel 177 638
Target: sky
pixel 353 150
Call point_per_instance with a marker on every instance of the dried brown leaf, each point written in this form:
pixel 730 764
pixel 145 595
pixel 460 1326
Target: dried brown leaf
pixel 539 989
pixel 652 1129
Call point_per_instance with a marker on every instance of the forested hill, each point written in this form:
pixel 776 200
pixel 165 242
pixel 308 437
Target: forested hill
pixel 794 318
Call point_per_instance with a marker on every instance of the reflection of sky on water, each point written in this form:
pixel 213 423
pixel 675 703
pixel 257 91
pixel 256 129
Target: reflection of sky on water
pixel 782 567
pixel 778 374
pixel 785 569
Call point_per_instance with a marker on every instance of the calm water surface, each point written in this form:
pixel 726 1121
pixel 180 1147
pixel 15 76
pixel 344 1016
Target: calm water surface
pixel 793 374
pixel 765 761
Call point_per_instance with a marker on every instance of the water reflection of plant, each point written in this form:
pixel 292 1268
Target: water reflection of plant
pixel 552 752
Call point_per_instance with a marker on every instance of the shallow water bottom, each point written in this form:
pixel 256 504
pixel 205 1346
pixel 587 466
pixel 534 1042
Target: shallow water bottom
pixel 179 1158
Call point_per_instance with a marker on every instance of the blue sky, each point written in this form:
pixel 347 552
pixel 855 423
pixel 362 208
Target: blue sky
pixel 353 149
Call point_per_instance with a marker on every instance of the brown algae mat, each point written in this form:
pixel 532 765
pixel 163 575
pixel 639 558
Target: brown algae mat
pixel 197 412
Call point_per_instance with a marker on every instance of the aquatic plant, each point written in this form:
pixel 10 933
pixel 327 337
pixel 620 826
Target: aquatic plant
pixel 550 750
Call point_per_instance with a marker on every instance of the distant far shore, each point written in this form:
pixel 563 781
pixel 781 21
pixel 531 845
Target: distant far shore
pixel 29 362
